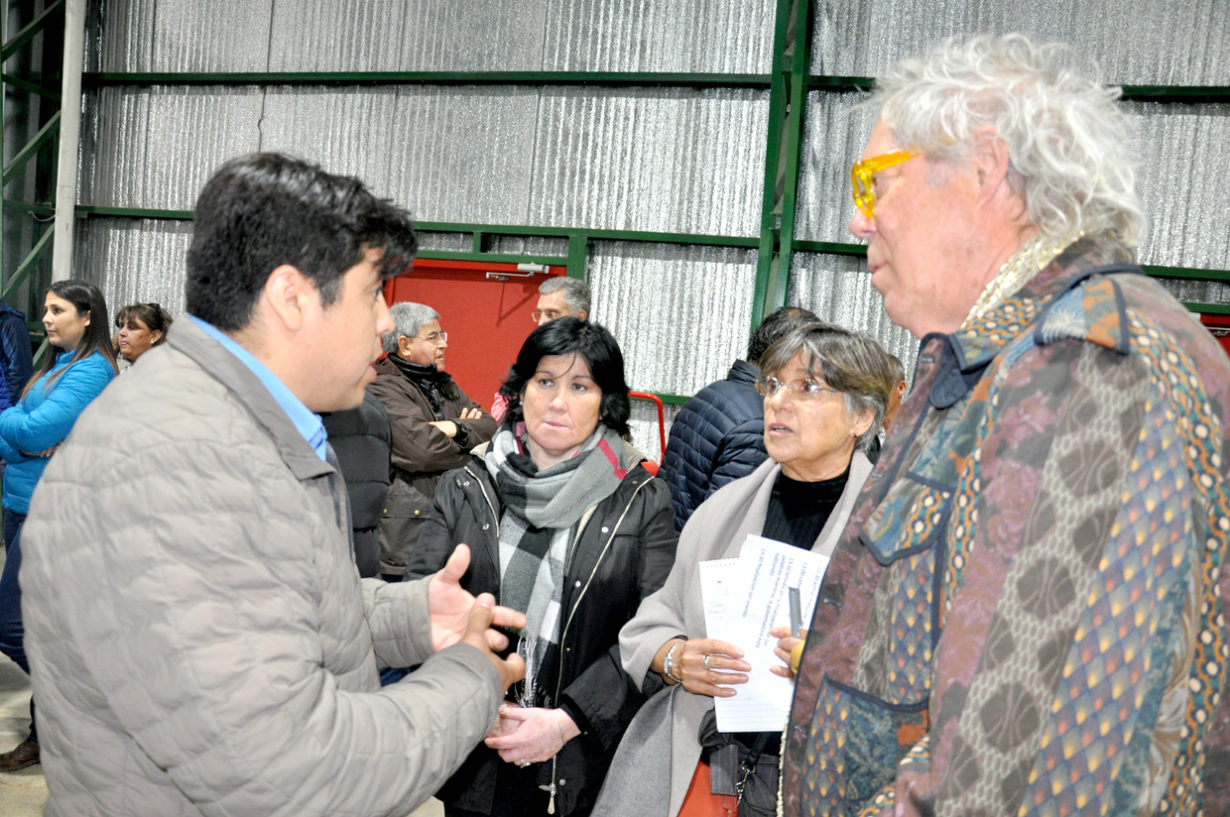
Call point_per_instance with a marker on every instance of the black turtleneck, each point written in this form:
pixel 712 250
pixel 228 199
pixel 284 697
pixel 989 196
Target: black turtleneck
pixel 798 510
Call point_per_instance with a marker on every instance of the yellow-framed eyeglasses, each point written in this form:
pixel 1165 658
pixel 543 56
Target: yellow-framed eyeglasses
pixel 861 174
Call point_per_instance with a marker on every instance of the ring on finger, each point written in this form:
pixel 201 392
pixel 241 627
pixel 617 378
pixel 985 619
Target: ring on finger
pixel 522 763
pixel 705 661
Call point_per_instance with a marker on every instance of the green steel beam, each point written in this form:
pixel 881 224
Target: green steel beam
pixel 31 149
pixel 28 33
pixel 41 248
pixel 577 240
pixel 1208 309
pixel 799 50
pixel 34 208
pixel 768 270
pixel 494 258
pixel 840 84
pixel 1184 94
pixel 578 257
pixel 590 234
pixel 830 248
pixel 1189 273
pixel 675 399
pixel 41 352
pixel 88 210
pixel 641 236
pixel 34 88
pixel 610 79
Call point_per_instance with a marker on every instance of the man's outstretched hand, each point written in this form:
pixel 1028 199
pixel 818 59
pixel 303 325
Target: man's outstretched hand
pixel 456 615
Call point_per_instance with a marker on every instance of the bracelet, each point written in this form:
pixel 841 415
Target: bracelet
pixel 559 724
pixel 668 663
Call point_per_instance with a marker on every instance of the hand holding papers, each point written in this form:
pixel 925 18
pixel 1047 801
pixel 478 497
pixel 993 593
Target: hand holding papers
pixel 744 600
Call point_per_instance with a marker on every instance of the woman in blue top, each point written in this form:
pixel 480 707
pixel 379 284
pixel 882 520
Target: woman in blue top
pixel 78 367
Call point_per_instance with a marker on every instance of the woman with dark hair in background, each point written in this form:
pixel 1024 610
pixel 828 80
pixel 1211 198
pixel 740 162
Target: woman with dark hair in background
pixel 78 366
pixel 566 525
pixel 141 328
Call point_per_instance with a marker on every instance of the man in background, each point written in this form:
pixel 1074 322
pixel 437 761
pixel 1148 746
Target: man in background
pixel 562 297
pixel 558 297
pixel 433 425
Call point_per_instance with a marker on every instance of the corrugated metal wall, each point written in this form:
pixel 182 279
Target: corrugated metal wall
pixel 650 159
pixel 1185 149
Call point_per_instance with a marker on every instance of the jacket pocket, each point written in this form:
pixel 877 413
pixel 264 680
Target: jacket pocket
pixel 909 520
pixel 877 735
pixel 405 510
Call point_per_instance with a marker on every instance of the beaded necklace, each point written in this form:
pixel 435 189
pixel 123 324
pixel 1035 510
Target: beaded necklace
pixel 1030 258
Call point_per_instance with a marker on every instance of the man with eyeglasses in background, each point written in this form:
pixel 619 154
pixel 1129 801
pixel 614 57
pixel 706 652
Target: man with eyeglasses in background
pixel 562 297
pixel 433 426
pixel 558 297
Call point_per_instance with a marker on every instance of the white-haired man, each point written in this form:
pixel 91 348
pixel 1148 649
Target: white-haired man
pixel 1025 614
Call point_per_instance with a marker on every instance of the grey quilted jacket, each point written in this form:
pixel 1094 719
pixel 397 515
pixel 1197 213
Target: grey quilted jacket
pixel 200 641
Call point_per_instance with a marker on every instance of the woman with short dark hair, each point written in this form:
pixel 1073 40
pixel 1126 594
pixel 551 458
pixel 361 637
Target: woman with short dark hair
pixel 77 367
pixel 565 525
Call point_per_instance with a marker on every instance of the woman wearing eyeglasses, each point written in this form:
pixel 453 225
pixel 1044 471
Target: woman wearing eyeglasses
pixel 825 394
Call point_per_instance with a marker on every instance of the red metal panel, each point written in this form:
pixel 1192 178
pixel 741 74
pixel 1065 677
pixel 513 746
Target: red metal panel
pixel 487 319
pixel 1219 325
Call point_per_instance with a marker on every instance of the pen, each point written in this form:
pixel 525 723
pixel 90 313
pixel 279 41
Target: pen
pixel 796 612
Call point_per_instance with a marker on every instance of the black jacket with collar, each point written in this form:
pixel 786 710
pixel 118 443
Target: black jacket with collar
pixel 623 552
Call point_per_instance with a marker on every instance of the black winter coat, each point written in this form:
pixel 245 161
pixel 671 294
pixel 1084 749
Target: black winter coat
pixel 360 439
pixel 716 438
pixel 623 552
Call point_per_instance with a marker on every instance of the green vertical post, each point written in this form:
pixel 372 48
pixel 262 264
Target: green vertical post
pixel 577 249
pixel 787 105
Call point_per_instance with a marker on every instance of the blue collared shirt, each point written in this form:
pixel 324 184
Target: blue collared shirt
pixel 306 422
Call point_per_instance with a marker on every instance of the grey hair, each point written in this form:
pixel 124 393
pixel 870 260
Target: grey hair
pixel 407 318
pixel 576 292
pixel 1072 150
pixel 851 362
pixel 898 369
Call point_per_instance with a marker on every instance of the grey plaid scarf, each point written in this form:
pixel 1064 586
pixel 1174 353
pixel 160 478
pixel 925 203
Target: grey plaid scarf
pixel 537 527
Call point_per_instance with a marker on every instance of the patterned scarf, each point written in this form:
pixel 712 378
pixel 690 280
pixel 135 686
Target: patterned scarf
pixel 541 512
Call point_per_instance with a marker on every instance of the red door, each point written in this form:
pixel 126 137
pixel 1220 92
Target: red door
pixel 484 307
pixel 1219 325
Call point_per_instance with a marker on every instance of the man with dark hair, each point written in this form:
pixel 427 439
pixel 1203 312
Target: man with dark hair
pixel 200 639
pixel 719 435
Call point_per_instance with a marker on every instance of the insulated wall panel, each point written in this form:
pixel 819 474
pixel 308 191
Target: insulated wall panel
pixel 681 314
pixel 675 160
pixel 1185 162
pixel 838 289
pixel 1140 42
pixel 834 135
pixel 527 245
pixel 156 147
pixel 692 36
pixel 177 35
pixel 134 260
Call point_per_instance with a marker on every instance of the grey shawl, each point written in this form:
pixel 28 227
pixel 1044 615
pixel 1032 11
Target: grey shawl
pixel 639 779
